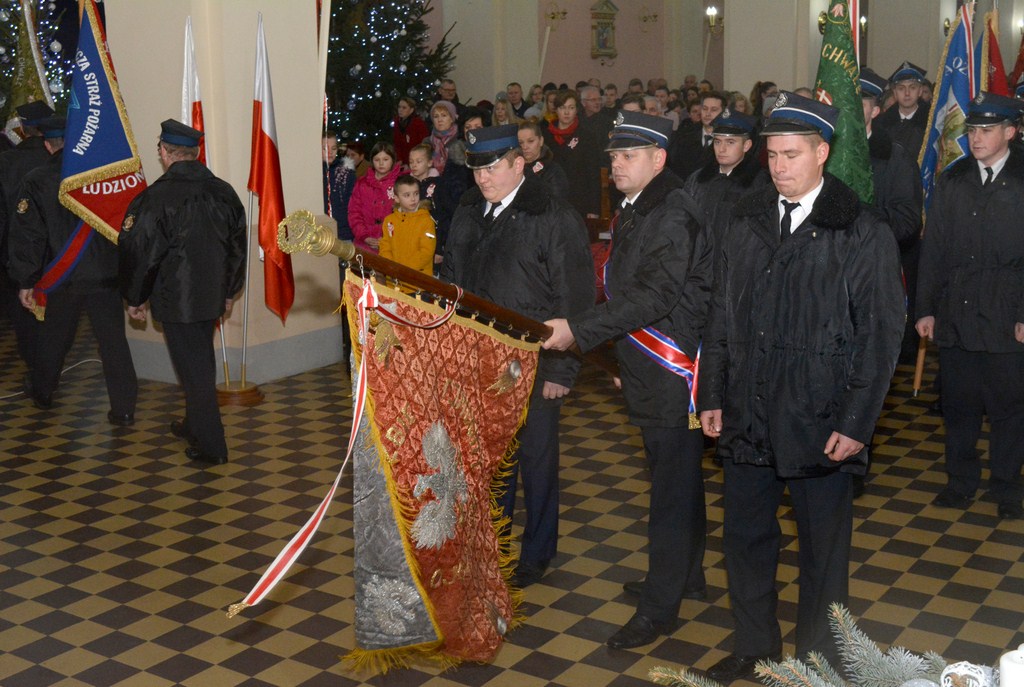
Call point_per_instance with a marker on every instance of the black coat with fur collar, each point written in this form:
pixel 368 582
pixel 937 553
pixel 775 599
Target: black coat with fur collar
pixel 803 334
pixel 659 275
pixel 971 276
pixel 534 259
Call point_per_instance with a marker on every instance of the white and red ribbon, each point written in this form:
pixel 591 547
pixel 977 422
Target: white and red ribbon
pixel 368 300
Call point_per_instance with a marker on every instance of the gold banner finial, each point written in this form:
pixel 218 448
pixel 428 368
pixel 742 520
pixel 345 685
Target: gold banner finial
pixel 300 232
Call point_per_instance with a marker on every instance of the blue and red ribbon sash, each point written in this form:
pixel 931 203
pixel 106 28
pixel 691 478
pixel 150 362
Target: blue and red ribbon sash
pixel 61 267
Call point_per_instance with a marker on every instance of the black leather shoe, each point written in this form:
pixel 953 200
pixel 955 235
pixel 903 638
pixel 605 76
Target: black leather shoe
pixel 640 630
pixel 38 400
pixel 178 429
pixel 527 573
pixel 636 588
pixel 733 667
pixel 121 419
pixel 949 498
pixel 192 453
pixel 1010 510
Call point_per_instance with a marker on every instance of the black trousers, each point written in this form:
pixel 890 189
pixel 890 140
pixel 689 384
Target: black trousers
pixel 536 460
pixel 57 334
pixel 677 522
pixel 191 347
pixel 823 508
pixel 26 326
pixel 975 384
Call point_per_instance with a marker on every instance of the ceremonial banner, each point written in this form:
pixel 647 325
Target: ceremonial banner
pixel 265 182
pixel 191 100
pixel 101 172
pixel 1018 65
pixel 995 73
pixel 29 82
pixel 442 408
pixel 945 139
pixel 838 85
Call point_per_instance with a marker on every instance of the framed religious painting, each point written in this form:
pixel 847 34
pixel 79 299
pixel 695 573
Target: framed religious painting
pixel 602 29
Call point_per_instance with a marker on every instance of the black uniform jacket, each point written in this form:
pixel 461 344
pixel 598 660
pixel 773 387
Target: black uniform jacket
pixel 897 182
pixel 534 260
pixel 716 193
pixel 803 334
pixel 182 245
pixel 14 165
pixel 909 134
pixel 687 152
pixel 40 228
pixel 659 275
pixel 971 275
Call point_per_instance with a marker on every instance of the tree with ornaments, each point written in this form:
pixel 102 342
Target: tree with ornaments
pixel 379 52
pixel 56 35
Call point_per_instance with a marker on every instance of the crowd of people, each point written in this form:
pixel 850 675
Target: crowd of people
pixel 733 253
pixel 734 257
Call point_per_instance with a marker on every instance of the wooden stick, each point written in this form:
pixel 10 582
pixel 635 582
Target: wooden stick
pixel 922 348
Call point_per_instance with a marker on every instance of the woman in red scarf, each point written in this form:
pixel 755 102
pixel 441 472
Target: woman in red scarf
pixel 443 115
pixel 577 151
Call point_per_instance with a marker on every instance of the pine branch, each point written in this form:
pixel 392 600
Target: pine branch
pixel 679 678
pixel 934 664
pixel 790 673
pixel 825 669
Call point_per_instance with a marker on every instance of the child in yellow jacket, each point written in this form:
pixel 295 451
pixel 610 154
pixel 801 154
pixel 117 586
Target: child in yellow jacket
pixel 408 233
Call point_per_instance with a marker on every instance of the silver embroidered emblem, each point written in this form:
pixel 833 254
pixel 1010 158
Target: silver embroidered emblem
pixel 471 138
pixel 726 114
pixel 391 604
pixel 781 101
pixel 435 523
pixel 619 119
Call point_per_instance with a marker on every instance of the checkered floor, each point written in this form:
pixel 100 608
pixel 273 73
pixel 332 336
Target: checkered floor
pixel 119 557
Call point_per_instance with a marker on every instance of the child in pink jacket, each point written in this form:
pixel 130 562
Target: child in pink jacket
pixel 373 198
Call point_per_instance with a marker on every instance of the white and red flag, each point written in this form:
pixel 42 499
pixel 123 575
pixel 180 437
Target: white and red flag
pixel 265 182
pixel 191 100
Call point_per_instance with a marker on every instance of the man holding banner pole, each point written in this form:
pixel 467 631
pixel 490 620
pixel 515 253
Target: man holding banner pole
pixel 658 282
pixel 62 268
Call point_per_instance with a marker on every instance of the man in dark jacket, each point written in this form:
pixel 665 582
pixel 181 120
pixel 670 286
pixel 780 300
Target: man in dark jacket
pixel 658 281
pixel 971 302
pixel 182 249
pixel 514 243
pixel 42 231
pixel 802 340
pixel 691 148
pixel 14 165
pixel 907 120
pixel 898 196
pixel 733 173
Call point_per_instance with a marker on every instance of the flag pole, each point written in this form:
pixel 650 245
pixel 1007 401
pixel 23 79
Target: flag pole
pixel 244 393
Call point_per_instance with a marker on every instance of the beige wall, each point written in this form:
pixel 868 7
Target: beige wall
pixel 146 42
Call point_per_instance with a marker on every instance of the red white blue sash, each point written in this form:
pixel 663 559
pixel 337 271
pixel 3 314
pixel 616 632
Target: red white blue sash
pixel 663 350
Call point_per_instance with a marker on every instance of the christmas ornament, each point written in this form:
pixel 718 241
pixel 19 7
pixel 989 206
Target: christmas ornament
pixel 919 682
pixel 402 68
pixel 965 674
pixel 5 16
pixel 56 46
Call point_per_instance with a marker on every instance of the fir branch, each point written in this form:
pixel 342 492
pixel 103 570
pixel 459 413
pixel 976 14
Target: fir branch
pixel 790 673
pixel 859 653
pixel 679 678
pixel 825 669
pixel 934 664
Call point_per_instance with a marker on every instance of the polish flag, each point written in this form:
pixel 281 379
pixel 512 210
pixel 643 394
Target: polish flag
pixel 191 101
pixel 265 182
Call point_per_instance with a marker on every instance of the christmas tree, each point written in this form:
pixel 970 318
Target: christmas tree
pixel 378 53
pixel 56 34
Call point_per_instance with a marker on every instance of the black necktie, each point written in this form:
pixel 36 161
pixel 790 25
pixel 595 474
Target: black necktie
pixel 708 140
pixel 625 215
pixel 787 218
pixel 988 176
pixel 489 217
